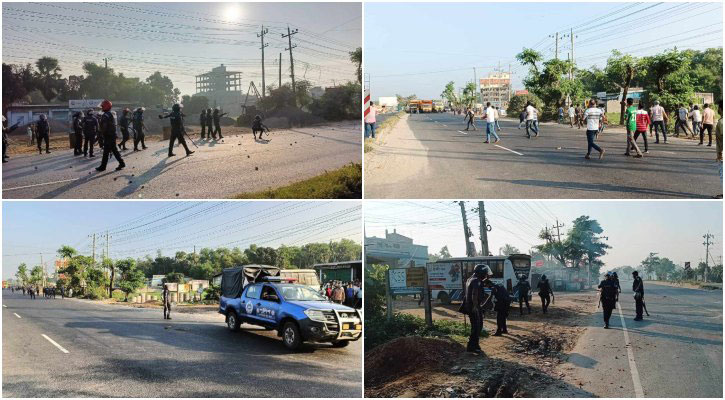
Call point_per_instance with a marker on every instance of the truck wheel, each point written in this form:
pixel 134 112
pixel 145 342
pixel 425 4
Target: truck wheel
pixel 233 321
pixel 291 335
pixel 340 343
pixel 444 298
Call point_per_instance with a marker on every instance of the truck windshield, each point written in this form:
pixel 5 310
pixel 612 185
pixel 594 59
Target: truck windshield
pixel 299 293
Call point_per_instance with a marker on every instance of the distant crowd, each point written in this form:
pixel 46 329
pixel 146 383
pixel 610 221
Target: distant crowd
pixel 347 293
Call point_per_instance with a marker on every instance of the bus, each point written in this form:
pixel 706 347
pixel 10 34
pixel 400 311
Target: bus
pixel 447 277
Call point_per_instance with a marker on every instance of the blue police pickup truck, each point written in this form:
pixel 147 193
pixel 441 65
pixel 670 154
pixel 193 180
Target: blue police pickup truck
pixel 256 295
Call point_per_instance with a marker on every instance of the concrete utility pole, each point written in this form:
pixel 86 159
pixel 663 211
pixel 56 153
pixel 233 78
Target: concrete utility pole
pixel 44 271
pixel 478 87
pixel 105 60
pixel 261 35
pixel 466 231
pixel 558 233
pixel 484 228
pixel 280 70
pixel 93 251
pixel 291 59
pixel 556 53
pixel 707 244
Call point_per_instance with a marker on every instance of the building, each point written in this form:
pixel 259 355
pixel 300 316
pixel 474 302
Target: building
pixel 496 89
pixel 394 250
pixel 223 89
pixel 522 92
pixel 345 271
pixel 60 112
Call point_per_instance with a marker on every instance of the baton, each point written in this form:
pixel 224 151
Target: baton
pixel 192 140
pixel 644 305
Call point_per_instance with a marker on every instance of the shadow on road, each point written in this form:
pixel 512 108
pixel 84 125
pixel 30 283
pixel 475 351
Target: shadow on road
pixel 141 180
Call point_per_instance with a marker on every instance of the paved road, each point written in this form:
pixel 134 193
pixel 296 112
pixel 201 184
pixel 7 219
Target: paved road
pixel 431 156
pixel 675 352
pixel 217 169
pixel 118 351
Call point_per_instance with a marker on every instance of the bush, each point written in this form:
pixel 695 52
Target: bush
pixel 518 103
pixel 119 295
pixel 96 293
pixel 379 330
pixel 213 292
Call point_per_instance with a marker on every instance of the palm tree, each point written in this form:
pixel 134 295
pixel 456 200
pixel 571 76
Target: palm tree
pixel 48 77
pixel 356 58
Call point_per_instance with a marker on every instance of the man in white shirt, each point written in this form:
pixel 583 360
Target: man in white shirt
pixel 572 113
pixel 592 115
pixel 531 120
pixel 659 121
pixel 696 121
pixel 490 123
pixel 682 114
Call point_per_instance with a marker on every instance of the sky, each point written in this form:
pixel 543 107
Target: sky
pixel 416 48
pixel 138 228
pixel 673 229
pixel 182 40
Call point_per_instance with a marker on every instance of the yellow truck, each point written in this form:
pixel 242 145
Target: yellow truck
pixel 413 106
pixel 426 106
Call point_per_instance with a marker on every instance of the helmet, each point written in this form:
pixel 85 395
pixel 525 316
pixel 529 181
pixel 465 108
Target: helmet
pixel 176 107
pixel 608 274
pixel 42 117
pixel 203 111
pixel 126 110
pixel 89 112
pixel 257 117
pixel 106 105
pixel 543 277
pixel 482 269
pixel 614 274
pixel 141 109
pixel 208 110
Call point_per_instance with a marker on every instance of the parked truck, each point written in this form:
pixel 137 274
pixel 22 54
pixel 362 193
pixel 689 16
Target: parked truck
pixel 426 106
pixel 438 106
pixel 413 106
pixel 258 295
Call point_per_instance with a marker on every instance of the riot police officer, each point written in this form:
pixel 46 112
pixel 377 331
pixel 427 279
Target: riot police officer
pixel 90 130
pixel 523 287
pixel 123 123
pixel 43 134
pixel 638 289
pixel 166 301
pixel 78 133
pixel 258 126
pixel 202 122
pixel 177 129
pixel 217 125
pixel 138 129
pixel 608 297
pixel 209 124
pixel 545 292
pixel 108 130
pixel 503 300
pixel 473 305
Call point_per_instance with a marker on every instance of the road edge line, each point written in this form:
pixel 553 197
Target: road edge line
pixel 55 344
pixel 638 391
pixel 17 315
pixel 40 184
pixel 507 149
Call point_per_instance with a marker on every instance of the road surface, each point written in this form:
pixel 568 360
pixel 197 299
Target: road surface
pixel 432 156
pixel 675 352
pixel 217 170
pixel 119 351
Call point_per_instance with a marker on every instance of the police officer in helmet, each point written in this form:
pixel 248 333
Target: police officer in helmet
pixel 90 130
pixel 123 123
pixel 78 133
pixel 108 130
pixel 608 297
pixel 177 128
pixel 473 302
pixel 43 134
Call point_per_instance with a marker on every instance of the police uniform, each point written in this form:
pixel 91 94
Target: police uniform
pixel 608 297
pixel 90 130
pixel 78 133
pixel 472 306
pixel 545 293
pixel 177 129
pixel 123 123
pixel 139 136
pixel 523 288
pixel 209 124
pixel 258 126
pixel 108 130
pixel 217 127
pixel 502 308
pixel 638 289
pixel 43 134
pixel 166 299
pixel 202 122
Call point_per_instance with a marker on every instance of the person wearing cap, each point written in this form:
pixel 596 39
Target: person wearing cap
pixel 638 289
pixel 607 297
pixel 176 117
pixel 473 305
pixel 523 287
pixel 545 292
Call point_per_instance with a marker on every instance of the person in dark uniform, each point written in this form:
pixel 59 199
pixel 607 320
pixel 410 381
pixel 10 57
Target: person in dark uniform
pixel 209 124
pixel 43 134
pixel 202 122
pixel 523 287
pixel 545 292
pixel 503 300
pixel 23 290
pixel 217 126
pixel 177 129
pixel 7 130
pixel 138 129
pixel 638 289
pixel 615 278
pixel 472 305
pixel 31 292
pixel 258 126
pixel 77 124
pixel 123 123
pixel 166 301
pixel 608 297
pixel 108 131
pixel 62 292
pixel 90 131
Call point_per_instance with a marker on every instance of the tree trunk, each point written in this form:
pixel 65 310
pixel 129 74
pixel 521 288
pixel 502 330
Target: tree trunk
pixel 623 104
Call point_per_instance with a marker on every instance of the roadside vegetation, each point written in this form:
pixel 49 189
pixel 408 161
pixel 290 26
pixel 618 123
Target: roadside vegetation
pixel 343 183
pixel 383 128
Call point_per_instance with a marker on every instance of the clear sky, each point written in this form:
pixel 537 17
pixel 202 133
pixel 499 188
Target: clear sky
pixel 407 45
pixel 674 229
pixel 182 40
pixel 138 228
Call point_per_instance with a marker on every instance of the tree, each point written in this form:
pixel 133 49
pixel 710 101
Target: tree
pixel 621 70
pixel 174 277
pixel 48 77
pixel 469 95
pixel 518 103
pixel 649 265
pixel 339 103
pixel 22 274
pixel 261 255
pixel 163 85
pixel 449 93
pixel 529 57
pixel 508 249
pixel 17 83
pixel 36 275
pixel 356 58
pixel 194 104
pixel 67 252
pixel 130 277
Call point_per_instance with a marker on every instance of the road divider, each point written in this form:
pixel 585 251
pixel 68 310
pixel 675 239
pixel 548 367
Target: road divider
pixel 507 149
pixel 55 344
pixel 638 391
pixel 17 315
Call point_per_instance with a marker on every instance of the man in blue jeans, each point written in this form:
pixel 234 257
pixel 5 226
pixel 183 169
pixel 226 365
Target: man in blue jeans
pixel 370 121
pixel 592 115
pixel 490 123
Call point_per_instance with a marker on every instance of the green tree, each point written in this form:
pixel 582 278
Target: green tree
pixel 163 87
pixel 581 247
pixel 508 249
pixel 17 83
pixel 48 77
pixel 518 103
pixel 67 252
pixel 667 78
pixel 339 103
pixel 174 277
pixel 194 104
pixel 529 58
pixel 621 70
pixel 356 58
pixel 36 275
pixel 449 93
pixel 130 277
pixel 649 265
pixel 22 274
pixel 706 71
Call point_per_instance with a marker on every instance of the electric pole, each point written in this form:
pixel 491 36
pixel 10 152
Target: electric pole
pixel 484 228
pixel 105 60
pixel 93 252
pixel 558 233
pixel 261 35
pixel 291 60
pixel 44 271
pixel 707 244
pixel 466 231
pixel 280 70
pixel 475 82
pixel 556 46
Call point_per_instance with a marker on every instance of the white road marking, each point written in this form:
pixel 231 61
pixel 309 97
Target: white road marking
pixel 444 124
pixel 463 132
pixel 17 315
pixel 638 392
pixel 55 344
pixel 515 152
pixel 5 306
pixel 40 184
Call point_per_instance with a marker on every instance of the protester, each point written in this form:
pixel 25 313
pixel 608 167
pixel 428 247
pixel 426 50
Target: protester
pixel 708 121
pixel 572 115
pixel 696 118
pixel 592 115
pixel 643 122
pixel 659 121
pixel 490 116
pixel 718 146
pixel 631 125
pixel 370 121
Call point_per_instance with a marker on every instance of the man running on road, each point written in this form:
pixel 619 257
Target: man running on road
pixel 592 115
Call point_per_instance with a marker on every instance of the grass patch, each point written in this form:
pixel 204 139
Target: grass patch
pixel 343 183
pixel 379 330
pixel 382 128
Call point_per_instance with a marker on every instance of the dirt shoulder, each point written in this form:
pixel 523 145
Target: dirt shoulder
pixel 179 308
pixel 689 285
pixel 523 363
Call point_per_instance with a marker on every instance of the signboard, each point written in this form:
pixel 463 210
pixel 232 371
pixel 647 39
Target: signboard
pixel 444 276
pixel 84 103
pixel 539 263
pixel 415 277
pixel 406 280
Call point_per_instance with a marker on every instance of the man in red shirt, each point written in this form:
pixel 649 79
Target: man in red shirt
pixel 643 121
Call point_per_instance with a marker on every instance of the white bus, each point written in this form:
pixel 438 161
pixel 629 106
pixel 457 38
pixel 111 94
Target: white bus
pixel 447 277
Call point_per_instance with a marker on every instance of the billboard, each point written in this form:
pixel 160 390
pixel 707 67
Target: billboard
pixel 84 103
pixel 444 276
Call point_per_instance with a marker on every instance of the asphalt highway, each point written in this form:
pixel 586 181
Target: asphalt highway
pixel 675 352
pixel 78 348
pixel 218 169
pixel 432 156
